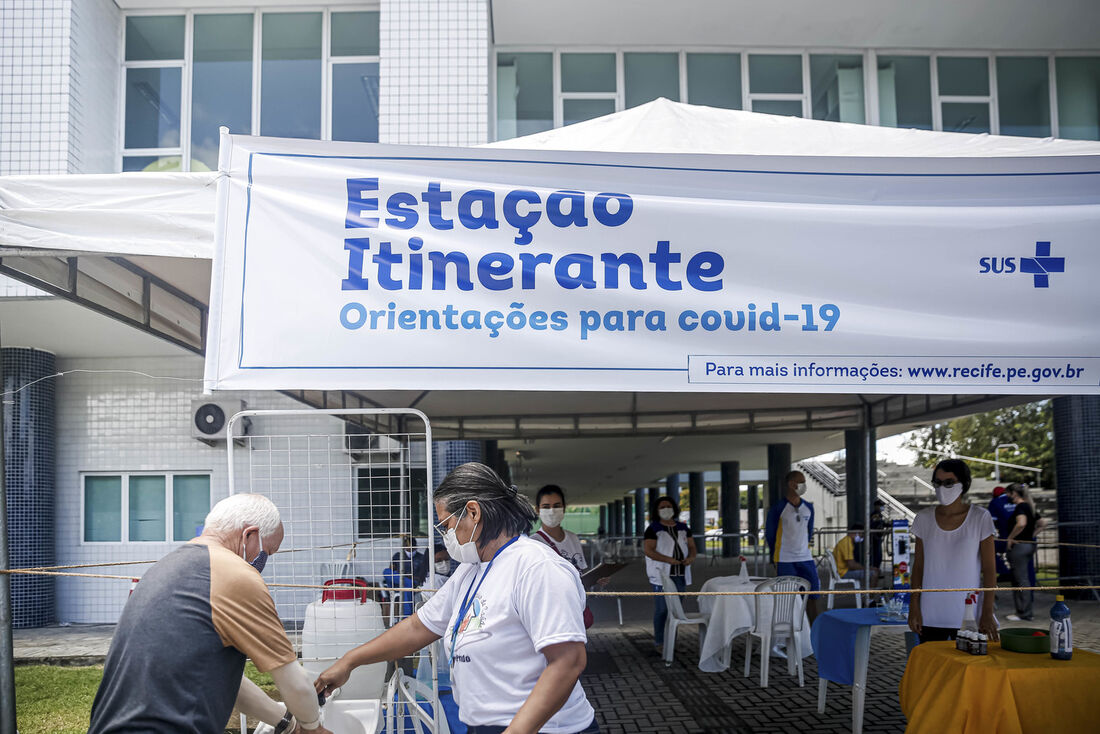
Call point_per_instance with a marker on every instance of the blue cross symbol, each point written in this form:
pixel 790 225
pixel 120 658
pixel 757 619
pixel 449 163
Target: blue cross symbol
pixel 1042 264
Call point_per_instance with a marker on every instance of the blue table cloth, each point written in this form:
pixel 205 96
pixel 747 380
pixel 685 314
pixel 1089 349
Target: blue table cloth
pixel 834 640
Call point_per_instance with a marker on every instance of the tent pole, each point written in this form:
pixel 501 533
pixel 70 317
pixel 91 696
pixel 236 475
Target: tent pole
pixel 7 650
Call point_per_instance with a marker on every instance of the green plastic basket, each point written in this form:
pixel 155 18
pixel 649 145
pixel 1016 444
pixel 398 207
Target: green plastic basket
pixel 1024 639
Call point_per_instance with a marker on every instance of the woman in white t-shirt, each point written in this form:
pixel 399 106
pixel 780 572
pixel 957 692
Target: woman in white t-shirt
pixel 954 551
pixel 550 502
pixel 510 617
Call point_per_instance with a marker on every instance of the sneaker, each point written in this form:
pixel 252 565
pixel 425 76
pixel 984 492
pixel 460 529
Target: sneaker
pixel 778 652
pixel 1014 618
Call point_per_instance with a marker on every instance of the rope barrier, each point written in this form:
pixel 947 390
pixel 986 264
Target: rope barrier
pixel 824 592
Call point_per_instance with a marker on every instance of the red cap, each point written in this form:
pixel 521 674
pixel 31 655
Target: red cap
pixel 998 491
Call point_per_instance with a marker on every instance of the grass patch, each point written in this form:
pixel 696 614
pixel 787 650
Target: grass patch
pixel 50 699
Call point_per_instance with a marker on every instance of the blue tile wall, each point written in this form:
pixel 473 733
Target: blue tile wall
pixel 1077 458
pixel 446 455
pixel 29 470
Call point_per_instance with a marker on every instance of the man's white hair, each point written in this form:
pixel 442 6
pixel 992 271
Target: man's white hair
pixel 239 511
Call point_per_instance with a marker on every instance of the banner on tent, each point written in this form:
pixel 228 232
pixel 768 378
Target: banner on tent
pixel 349 266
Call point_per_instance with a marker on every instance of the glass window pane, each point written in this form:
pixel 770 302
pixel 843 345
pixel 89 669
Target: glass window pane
pixel 588 72
pixel 836 88
pixel 788 107
pixel 153 98
pixel 775 74
pixel 221 83
pixel 154 38
pixel 1023 96
pixel 102 509
pixel 157 164
pixel 190 504
pixel 146 509
pixel 1078 80
pixel 966 117
pixel 355 34
pixel 963 76
pixel 525 94
pixel 355 102
pixel 905 92
pixel 649 76
pixel 579 110
pixel 714 80
pixel 290 93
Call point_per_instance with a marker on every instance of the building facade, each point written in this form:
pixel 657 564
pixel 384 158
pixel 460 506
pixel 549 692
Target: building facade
pixel 105 86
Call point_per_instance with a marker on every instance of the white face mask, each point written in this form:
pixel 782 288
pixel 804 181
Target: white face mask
pixel 443 568
pixel 552 517
pixel 948 494
pixel 461 552
pixel 800 489
pixel 665 513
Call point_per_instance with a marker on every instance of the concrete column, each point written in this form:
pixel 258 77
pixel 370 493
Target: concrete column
pixel 617 516
pixel 628 515
pixel 697 497
pixel 779 464
pixel 861 477
pixel 754 513
pixel 672 486
pixel 1076 448
pixel 641 503
pixel 603 519
pixel 730 507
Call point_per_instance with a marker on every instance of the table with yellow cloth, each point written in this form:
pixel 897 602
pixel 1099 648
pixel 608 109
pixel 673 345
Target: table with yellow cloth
pixel 944 690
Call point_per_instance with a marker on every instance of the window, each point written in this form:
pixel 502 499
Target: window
pixel 649 76
pixel 525 94
pixel 1023 95
pixel 259 73
pixel 714 80
pixel 836 88
pixel 775 84
pixel 964 93
pixel 149 501
pixel 1078 81
pixel 390 502
pixel 905 92
pixel 589 86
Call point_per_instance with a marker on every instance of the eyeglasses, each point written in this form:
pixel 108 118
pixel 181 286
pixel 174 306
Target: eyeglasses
pixel 439 528
pixel 946 485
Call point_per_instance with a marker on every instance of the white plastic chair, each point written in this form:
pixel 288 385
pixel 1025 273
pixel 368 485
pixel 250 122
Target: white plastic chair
pixel 835 581
pixel 677 617
pixel 785 620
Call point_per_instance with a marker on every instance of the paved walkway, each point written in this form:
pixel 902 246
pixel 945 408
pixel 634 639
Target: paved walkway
pixel 632 689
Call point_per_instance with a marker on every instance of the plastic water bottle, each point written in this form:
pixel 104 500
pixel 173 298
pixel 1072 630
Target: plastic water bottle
pixel 1061 630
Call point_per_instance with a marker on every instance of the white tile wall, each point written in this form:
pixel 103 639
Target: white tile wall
pixel 34 86
pixel 434 72
pixel 123 422
pixel 94 86
pixel 12 288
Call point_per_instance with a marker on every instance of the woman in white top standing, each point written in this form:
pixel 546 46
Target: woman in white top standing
pixel 510 617
pixel 669 548
pixel 954 551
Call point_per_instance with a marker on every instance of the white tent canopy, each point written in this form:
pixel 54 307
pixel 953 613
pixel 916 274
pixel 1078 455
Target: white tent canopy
pixel 137 247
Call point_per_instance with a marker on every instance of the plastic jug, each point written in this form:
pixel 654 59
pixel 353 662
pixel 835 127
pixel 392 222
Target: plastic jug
pixel 1061 630
pixel 344 619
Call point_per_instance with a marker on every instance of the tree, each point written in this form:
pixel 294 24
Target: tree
pixel 1029 426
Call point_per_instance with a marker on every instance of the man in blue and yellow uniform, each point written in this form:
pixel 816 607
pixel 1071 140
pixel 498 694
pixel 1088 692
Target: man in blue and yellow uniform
pixel 790 530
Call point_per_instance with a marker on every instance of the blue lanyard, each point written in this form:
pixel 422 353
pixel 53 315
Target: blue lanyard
pixel 471 596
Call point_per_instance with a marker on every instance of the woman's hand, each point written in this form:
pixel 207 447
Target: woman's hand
pixel 603 582
pixel 334 677
pixel 916 621
pixel 988 625
pixel 1009 543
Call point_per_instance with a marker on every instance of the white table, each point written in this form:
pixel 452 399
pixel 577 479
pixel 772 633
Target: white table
pixel 730 616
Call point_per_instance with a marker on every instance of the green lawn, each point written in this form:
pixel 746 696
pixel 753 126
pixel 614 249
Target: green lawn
pixel 55 700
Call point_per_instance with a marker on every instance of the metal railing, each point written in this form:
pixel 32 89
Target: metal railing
pixel 826 477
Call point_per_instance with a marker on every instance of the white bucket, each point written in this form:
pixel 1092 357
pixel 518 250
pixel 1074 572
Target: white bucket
pixel 346 716
pixel 334 626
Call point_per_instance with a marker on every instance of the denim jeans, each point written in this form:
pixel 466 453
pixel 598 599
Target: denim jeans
pixel 660 610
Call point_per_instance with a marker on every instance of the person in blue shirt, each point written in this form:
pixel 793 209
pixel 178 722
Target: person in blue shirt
pixel 1001 508
pixel 789 531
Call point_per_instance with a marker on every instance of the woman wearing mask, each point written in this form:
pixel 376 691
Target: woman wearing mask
pixel 1020 547
pixel 668 547
pixel 954 550
pixel 509 617
pixel 550 502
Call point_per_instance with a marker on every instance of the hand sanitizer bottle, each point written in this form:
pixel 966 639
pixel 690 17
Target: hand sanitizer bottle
pixel 1061 630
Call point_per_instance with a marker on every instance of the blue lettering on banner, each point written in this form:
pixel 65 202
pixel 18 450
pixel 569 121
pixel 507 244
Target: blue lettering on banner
pixel 1039 267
